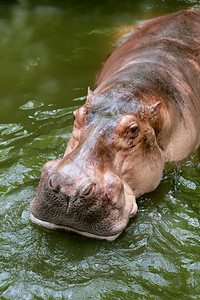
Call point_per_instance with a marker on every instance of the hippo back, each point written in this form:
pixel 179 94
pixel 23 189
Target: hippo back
pixel 161 59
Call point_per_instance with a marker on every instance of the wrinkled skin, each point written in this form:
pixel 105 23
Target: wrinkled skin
pixel 144 112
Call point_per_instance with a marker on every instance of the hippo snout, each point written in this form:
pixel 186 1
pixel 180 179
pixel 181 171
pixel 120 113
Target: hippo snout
pixel 73 201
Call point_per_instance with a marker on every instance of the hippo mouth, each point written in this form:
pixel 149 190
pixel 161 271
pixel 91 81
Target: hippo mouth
pixel 52 226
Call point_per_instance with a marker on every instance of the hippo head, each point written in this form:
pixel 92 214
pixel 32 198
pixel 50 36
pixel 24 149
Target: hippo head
pixel 112 157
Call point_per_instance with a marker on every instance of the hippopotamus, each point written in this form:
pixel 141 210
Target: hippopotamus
pixel 144 112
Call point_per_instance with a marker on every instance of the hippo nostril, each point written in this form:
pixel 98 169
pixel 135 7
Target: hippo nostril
pixel 50 183
pixel 53 182
pixel 87 189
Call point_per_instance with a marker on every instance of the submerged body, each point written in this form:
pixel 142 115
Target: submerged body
pixel 144 112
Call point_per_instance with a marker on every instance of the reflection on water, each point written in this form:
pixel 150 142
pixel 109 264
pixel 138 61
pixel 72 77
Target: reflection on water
pixel 49 53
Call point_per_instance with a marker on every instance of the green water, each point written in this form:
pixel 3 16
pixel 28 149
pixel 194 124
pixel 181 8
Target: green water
pixel 50 51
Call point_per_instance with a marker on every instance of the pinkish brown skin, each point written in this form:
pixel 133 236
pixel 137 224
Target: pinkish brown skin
pixel 145 111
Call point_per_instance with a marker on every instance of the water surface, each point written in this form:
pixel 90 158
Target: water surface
pixel 50 51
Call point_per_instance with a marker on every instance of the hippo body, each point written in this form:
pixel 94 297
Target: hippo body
pixel 144 112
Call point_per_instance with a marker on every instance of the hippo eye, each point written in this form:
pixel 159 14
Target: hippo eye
pixel 74 115
pixel 134 128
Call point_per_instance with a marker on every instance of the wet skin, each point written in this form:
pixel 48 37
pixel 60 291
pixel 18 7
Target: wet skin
pixel 144 112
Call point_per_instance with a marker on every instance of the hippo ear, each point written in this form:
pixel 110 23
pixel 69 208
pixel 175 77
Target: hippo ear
pixel 90 93
pixel 154 109
pixel 89 96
